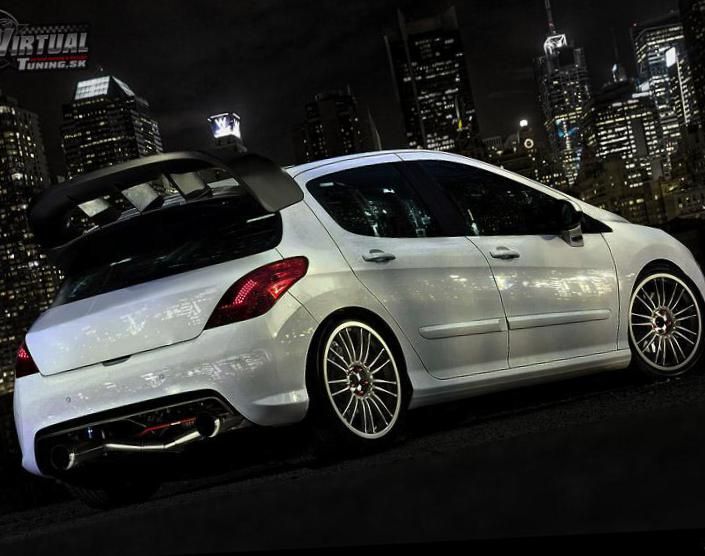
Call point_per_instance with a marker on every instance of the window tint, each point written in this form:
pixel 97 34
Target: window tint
pixel 494 205
pixel 374 201
pixel 166 242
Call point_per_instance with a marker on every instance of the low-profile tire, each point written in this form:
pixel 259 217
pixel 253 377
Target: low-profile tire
pixel 358 387
pixel 112 492
pixel 665 323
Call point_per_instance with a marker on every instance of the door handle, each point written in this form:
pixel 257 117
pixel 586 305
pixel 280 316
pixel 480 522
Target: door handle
pixel 504 253
pixel 378 256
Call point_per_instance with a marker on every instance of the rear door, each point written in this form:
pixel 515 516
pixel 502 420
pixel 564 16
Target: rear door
pixel 439 289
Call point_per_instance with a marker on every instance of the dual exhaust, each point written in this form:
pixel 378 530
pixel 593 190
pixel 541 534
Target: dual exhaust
pixel 65 458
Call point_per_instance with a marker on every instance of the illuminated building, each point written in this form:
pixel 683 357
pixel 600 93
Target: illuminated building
pixel 522 153
pixel 27 282
pixel 226 130
pixel 106 123
pixel 564 88
pixel 429 69
pixel 623 164
pixel 693 17
pixel 664 72
pixel 334 127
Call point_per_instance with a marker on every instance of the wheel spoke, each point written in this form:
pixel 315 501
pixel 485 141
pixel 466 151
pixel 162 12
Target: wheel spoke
pixel 645 350
pixel 673 295
pixel 688 308
pixel 384 405
pixel 346 389
pixel 339 366
pixel 367 351
pixel 678 346
pixel 649 305
pixel 673 349
pixel 342 341
pixel 381 414
pixel 678 333
pixel 352 344
pixel 378 369
pixel 347 363
pixel 647 317
pixel 385 391
pixel 380 381
pixel 364 414
pixel 347 407
pixel 382 351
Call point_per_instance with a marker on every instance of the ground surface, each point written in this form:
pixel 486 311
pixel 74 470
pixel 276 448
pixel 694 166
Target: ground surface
pixel 602 454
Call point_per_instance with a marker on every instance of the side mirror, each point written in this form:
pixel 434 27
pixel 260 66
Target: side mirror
pixel 570 219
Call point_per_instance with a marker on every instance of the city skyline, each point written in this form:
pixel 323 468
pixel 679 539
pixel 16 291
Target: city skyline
pixel 506 92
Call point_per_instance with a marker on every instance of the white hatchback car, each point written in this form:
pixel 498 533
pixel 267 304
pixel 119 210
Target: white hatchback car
pixel 346 291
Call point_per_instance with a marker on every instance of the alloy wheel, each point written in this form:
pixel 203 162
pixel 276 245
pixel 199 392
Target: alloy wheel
pixel 665 323
pixel 362 380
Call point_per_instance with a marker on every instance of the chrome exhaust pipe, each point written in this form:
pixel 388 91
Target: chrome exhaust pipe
pixel 65 458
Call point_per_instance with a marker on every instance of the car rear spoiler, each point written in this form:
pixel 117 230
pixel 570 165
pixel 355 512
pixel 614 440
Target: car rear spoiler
pixel 51 212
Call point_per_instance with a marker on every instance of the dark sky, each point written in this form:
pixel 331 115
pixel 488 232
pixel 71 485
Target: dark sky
pixel 265 59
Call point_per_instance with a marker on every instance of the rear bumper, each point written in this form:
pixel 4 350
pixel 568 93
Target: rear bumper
pixel 257 366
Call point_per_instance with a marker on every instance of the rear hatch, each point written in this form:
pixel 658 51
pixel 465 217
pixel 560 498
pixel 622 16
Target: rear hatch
pixel 151 280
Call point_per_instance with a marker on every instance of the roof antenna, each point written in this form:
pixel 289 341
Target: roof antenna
pixel 551 23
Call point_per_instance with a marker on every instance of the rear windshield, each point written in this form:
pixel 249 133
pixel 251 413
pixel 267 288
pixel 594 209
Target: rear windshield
pixel 166 242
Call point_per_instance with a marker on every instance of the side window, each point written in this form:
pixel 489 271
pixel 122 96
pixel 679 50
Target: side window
pixel 374 201
pixel 494 205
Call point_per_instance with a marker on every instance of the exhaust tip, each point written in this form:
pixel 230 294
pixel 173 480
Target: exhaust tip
pixel 62 458
pixel 207 425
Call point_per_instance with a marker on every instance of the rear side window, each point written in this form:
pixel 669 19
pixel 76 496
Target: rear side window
pixel 166 242
pixel 374 201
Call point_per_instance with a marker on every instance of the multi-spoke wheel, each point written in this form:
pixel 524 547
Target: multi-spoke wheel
pixel 665 324
pixel 362 392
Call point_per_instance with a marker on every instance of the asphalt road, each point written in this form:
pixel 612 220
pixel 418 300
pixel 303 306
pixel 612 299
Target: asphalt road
pixel 603 454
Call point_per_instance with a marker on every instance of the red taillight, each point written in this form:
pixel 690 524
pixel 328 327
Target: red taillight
pixel 25 365
pixel 256 293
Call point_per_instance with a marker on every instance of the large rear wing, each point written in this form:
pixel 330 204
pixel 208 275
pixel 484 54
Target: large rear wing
pixel 51 213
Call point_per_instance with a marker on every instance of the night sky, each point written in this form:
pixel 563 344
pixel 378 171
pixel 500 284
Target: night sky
pixel 265 59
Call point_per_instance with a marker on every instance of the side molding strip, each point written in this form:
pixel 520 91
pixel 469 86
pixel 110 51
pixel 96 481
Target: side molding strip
pixel 463 329
pixel 553 319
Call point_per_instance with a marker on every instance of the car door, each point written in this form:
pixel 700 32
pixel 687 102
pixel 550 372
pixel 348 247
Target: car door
pixel 561 300
pixel 439 289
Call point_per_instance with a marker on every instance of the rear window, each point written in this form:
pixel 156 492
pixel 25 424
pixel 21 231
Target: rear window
pixel 165 242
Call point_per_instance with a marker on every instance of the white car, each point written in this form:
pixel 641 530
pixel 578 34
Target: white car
pixel 345 291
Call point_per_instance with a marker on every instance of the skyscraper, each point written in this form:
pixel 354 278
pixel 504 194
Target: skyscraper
pixel 106 123
pixel 625 152
pixel 27 282
pixel 334 127
pixel 564 88
pixel 664 72
pixel 693 16
pixel 429 69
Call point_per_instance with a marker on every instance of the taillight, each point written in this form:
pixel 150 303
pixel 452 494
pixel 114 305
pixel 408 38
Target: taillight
pixel 256 293
pixel 24 365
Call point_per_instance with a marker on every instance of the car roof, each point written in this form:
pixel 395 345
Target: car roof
pixel 301 168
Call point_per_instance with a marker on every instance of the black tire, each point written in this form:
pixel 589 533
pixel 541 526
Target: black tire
pixel 660 347
pixel 333 434
pixel 104 493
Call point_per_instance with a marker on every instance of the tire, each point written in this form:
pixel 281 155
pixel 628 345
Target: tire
pixel 120 491
pixel 665 323
pixel 359 389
